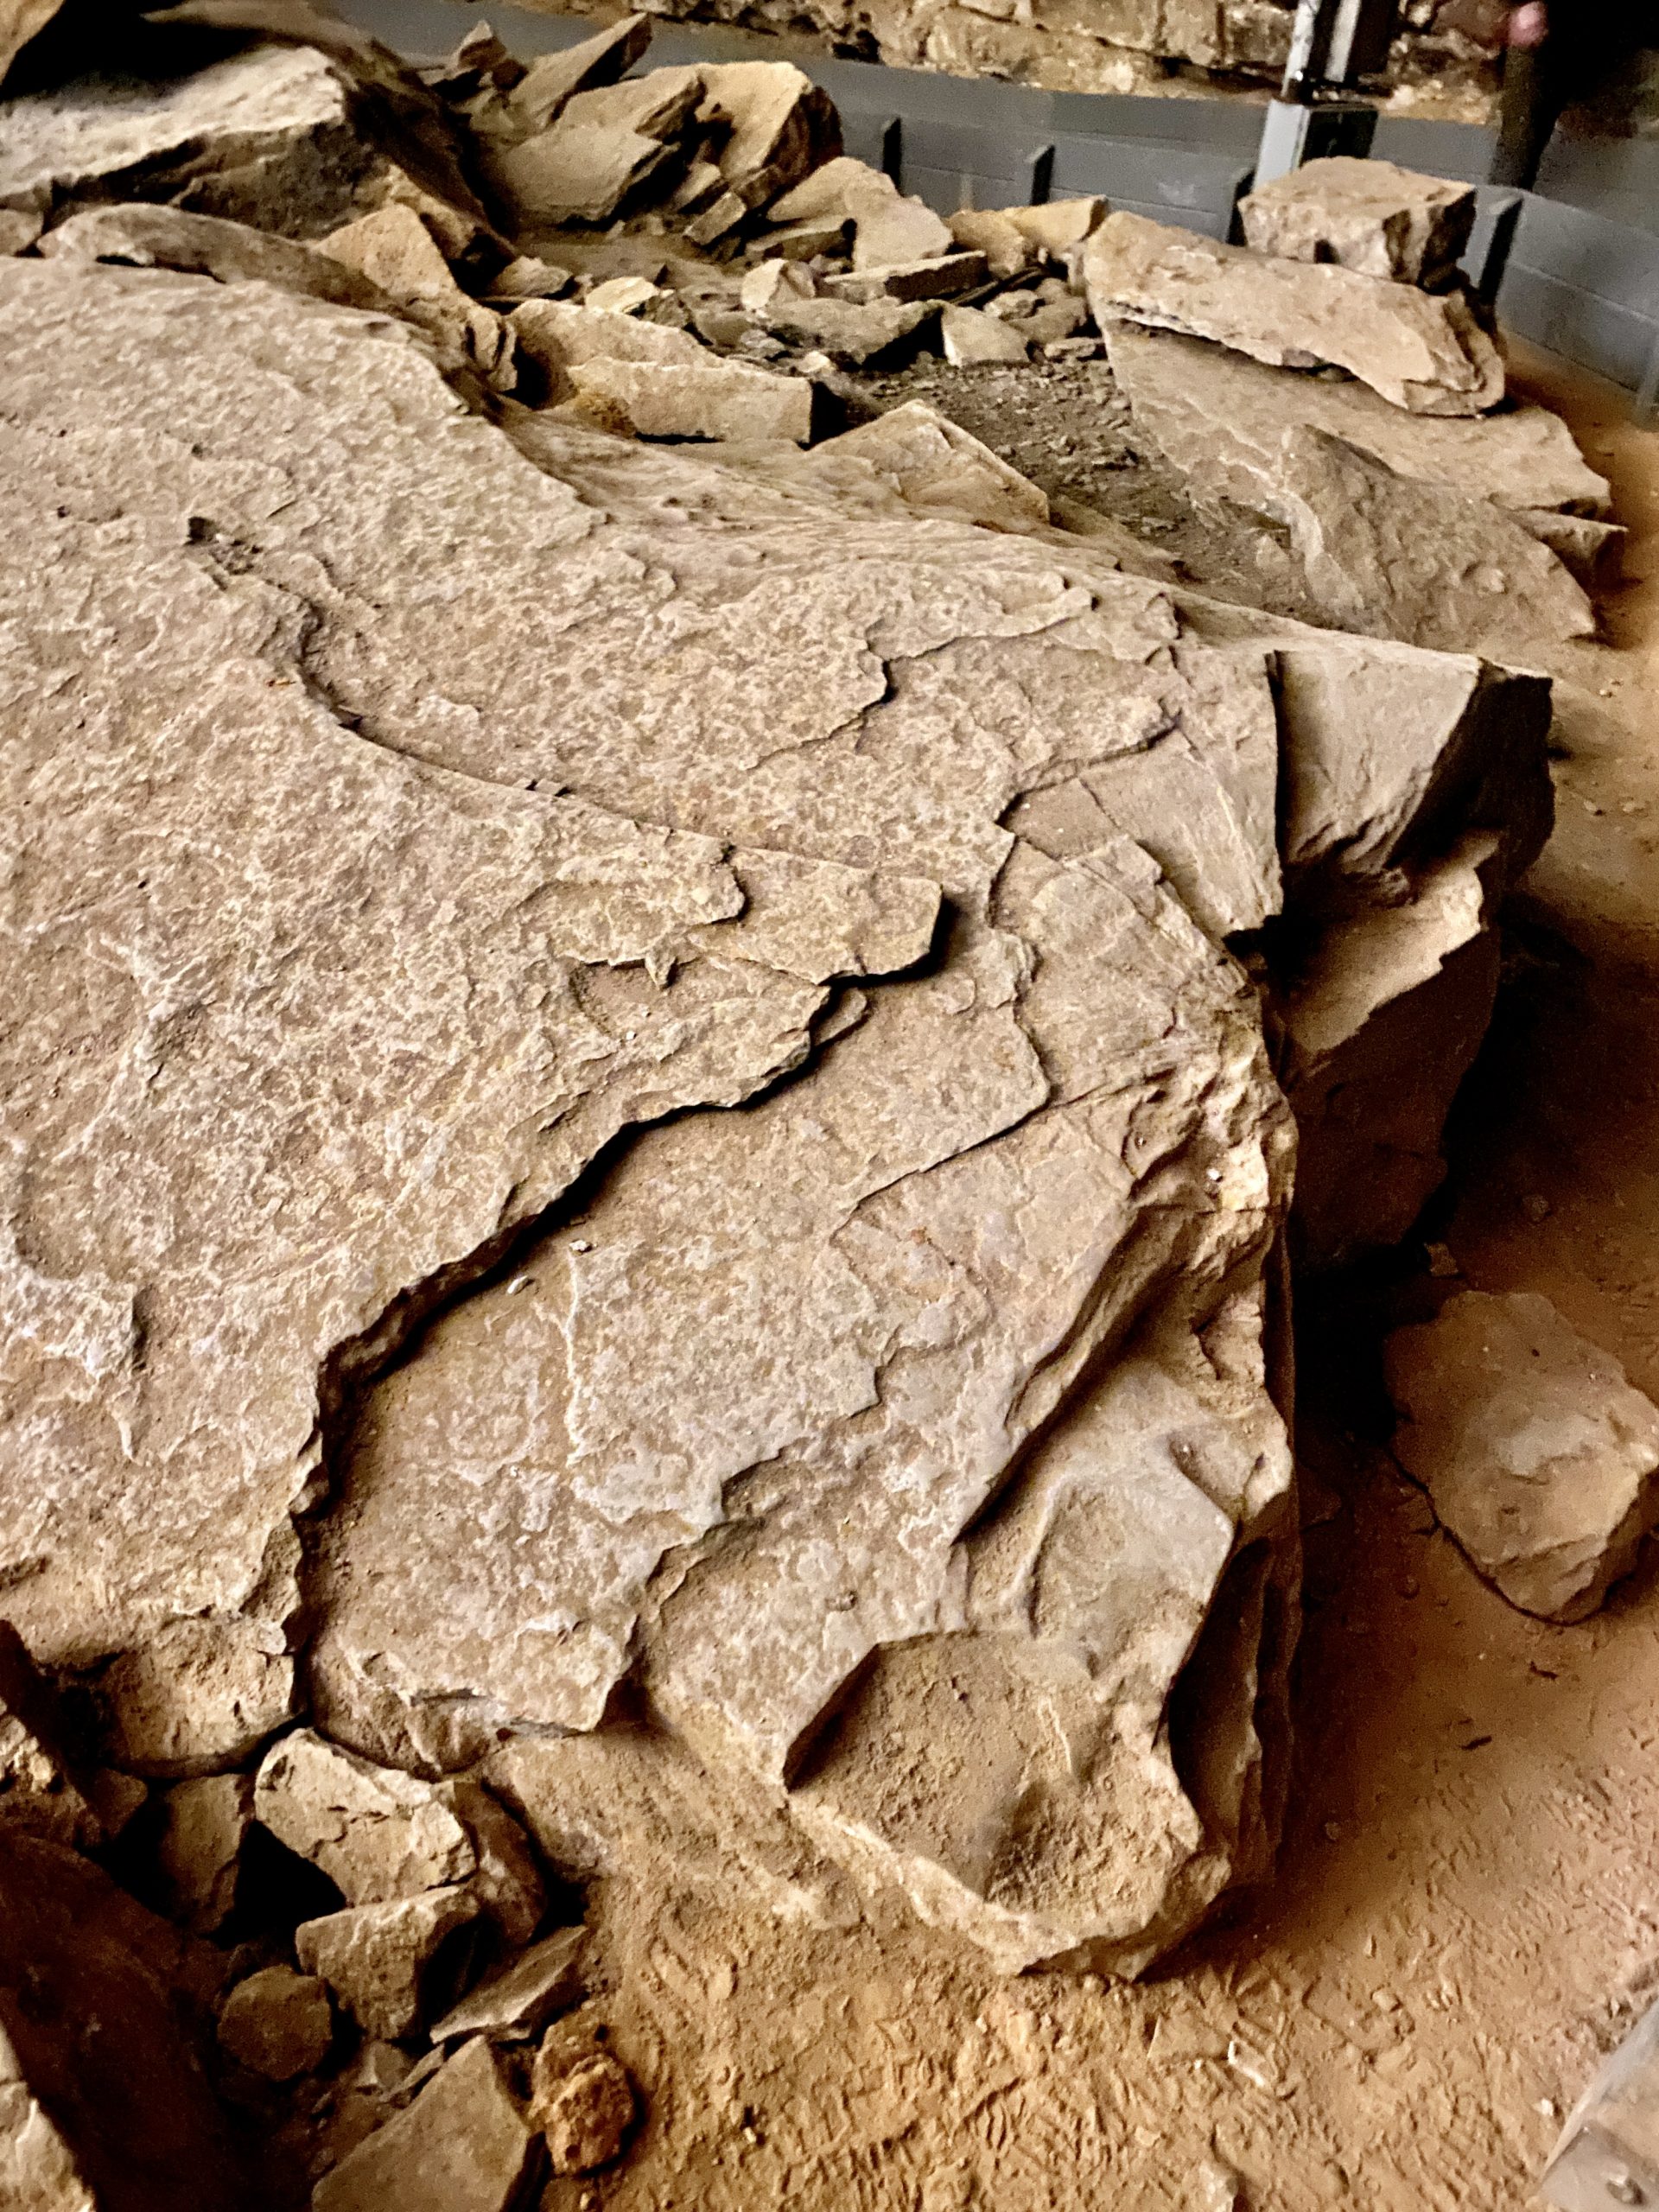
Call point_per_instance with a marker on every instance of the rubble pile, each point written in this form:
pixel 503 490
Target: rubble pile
pixel 664 1054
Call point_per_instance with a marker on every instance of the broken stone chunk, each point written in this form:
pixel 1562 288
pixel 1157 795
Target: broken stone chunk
pixel 711 399
pixel 972 336
pixel 39 1789
pixel 1221 418
pixel 375 1833
pixel 505 1881
pixel 38 2172
pixel 525 277
pixel 525 1996
pixel 1425 352
pixel 1592 551
pixel 1367 215
pixel 603 147
pixel 1006 249
pixel 937 466
pixel 232 253
pixel 1386 557
pixel 1537 1453
pixel 937 279
pixel 622 295
pixel 891 231
pixel 551 80
pixel 381 1959
pixel 462 2145
pixel 584 2105
pixel 277 2023
pixel 557 335
pixel 836 193
pixel 395 251
pixel 769 280
pixel 807 241
pixel 200 1850
pixel 1056 226
pixel 266 137
pixel 198 1694
pixel 852 336
pixel 780 126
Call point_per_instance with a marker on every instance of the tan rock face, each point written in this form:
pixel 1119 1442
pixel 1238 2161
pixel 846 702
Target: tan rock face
pixel 235 253
pixel 197 1695
pixel 1371 216
pixel 39 1789
pixel 577 783
pixel 463 2145
pixel 525 1995
pixel 584 2106
pixel 376 1833
pixel 709 398
pixel 1221 418
pixel 199 1849
pixel 1424 353
pixel 1538 1454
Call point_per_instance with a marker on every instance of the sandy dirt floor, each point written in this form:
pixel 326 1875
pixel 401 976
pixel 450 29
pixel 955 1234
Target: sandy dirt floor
pixel 1467 1910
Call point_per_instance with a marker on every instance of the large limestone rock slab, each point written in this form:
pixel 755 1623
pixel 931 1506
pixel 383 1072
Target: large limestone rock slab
pixel 301 1169
pixel 1425 352
pixel 899 1436
pixel 1370 215
pixel 1538 1453
pixel 267 137
pixel 1221 418
pixel 1384 557
pixel 148 236
pixel 463 2145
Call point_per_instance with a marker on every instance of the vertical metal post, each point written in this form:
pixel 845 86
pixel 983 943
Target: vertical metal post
pixel 1335 46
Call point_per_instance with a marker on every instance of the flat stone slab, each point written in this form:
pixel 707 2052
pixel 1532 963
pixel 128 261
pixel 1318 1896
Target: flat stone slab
pixel 1369 215
pixel 1536 1451
pixel 889 1433
pixel 1425 352
pixel 1221 418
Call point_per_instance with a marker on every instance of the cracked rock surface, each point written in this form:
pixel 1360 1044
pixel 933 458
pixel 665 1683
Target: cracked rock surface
pixel 744 996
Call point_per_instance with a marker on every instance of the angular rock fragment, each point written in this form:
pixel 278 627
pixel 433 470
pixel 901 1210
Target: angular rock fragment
pixel 1591 551
pixel 584 2105
pixel 40 1789
pixel 890 231
pixel 1371 216
pixel 622 295
pixel 708 399
pixel 558 336
pixel 551 80
pixel 1221 418
pixel 198 1695
pixel 836 193
pixel 603 147
pixel 939 278
pixel 38 2172
pixel 266 137
pixel 377 1833
pixel 199 1853
pixel 1537 1453
pixel 504 1878
pixel 525 1996
pixel 381 1959
pixel 209 246
pixel 1055 227
pixel 462 2145
pixel 770 280
pixel 1386 557
pixel 850 335
pixel 1423 352
pixel 935 465
pixel 969 336
pixel 277 2023
pixel 527 278
pixel 392 249
pixel 777 126
pixel 1006 249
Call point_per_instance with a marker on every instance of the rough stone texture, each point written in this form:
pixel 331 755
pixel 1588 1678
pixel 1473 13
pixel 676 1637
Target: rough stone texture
pixel 603 145
pixel 375 1833
pixel 40 1788
pixel 1006 249
pixel 277 2022
pixel 197 1695
pixel 558 336
pixel 939 278
pixel 380 1960
pixel 936 466
pixel 1593 551
pixel 778 126
pixel 98 2004
pixel 890 231
pixel 584 2106
pixel 525 1996
pixel 1424 352
pixel 1369 215
pixel 209 245
pixel 1386 557
pixel 462 2145
pixel 837 193
pixel 37 2169
pixel 1055 227
pixel 709 398
pixel 898 1443
pixel 199 1853
pixel 505 1879
pixel 1537 1453
pixel 553 79
pixel 970 336
pixel 392 249
pixel 1221 418
pixel 850 334
pixel 265 137
pixel 580 973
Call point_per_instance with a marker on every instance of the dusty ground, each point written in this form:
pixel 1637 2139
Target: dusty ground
pixel 1467 1907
